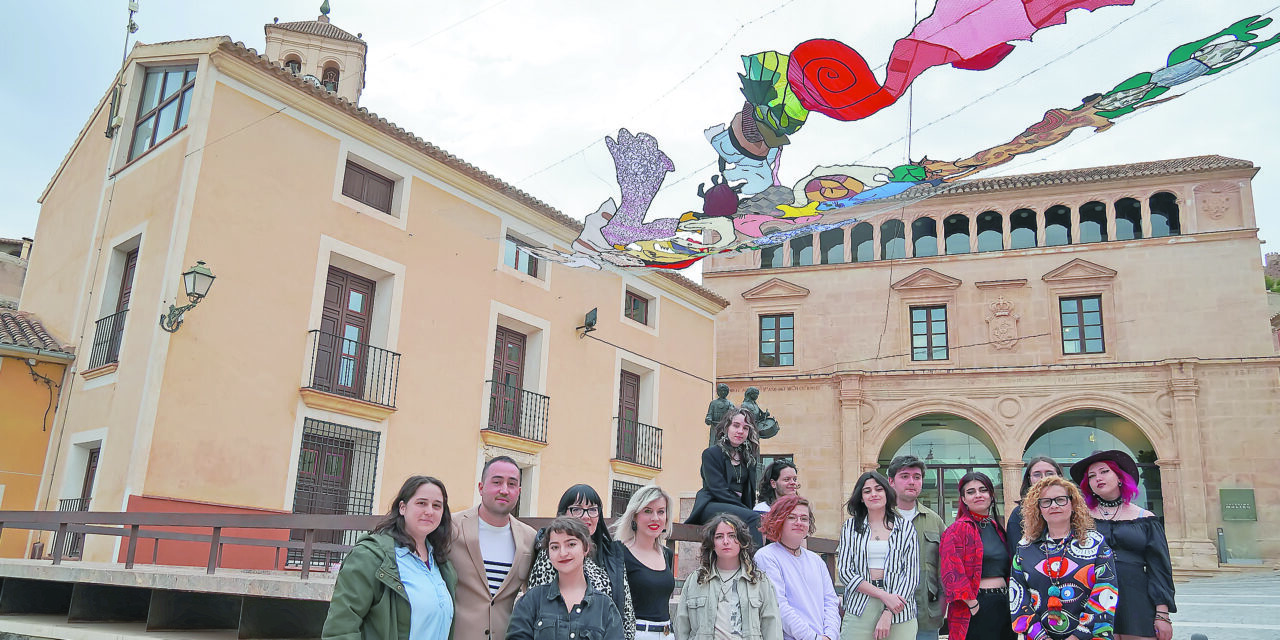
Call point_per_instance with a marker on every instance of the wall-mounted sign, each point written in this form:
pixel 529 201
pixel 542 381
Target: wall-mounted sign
pixel 1238 505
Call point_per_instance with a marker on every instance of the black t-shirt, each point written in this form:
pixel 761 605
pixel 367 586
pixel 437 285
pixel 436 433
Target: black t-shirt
pixel 651 590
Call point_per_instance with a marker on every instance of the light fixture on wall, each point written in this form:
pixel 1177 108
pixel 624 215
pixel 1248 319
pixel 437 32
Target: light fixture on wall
pixel 197 281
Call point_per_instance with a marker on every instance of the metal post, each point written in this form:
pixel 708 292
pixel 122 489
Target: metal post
pixel 308 539
pixel 214 544
pixel 133 547
pixel 1222 546
pixel 59 539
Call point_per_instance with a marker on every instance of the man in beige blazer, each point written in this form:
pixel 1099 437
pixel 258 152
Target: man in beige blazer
pixel 492 552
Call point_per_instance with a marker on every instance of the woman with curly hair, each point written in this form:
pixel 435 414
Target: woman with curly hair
pixel 1063 582
pixel 807 601
pixel 1109 482
pixel 729 473
pixel 728 596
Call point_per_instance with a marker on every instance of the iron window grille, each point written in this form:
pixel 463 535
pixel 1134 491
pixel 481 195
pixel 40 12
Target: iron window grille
pixel 621 495
pixel 337 469
pixel 107 333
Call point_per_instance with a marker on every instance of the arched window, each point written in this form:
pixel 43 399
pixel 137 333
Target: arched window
pixel 1164 215
pixel 1128 219
pixel 955 229
pixel 990 231
pixel 1057 226
pixel 1093 222
pixel 802 251
pixel 771 257
pixel 893 241
pixel 832 243
pixel 1022 229
pixel 329 78
pixel 293 64
pixel 924 237
pixel 862 239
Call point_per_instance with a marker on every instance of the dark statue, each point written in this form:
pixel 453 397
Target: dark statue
pixel 765 424
pixel 716 410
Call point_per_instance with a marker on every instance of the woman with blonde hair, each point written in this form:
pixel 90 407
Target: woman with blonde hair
pixel 643 529
pixel 728 596
pixel 1063 583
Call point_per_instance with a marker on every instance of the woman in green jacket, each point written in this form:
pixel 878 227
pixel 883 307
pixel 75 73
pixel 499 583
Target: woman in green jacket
pixel 397 583
pixel 728 596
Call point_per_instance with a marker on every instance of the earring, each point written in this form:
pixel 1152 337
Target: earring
pixel 633 525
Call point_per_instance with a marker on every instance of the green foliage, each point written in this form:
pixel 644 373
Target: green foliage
pixel 1272 284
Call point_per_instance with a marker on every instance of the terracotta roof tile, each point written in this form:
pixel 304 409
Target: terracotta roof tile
pixel 436 153
pixel 21 329
pixel 1091 175
pixel 315 28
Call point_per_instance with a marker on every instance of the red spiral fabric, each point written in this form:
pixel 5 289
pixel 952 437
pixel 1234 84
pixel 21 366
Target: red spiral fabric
pixel 831 78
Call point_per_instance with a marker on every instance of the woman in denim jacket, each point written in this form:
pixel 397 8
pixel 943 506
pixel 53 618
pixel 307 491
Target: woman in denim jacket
pixel 728 596
pixel 568 608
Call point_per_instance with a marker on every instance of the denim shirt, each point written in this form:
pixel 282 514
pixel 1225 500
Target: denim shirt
pixel 541 614
pixel 430 604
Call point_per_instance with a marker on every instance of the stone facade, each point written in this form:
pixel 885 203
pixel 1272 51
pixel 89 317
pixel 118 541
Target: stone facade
pixel 1183 371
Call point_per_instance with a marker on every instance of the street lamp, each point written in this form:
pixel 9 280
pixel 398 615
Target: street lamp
pixel 197 281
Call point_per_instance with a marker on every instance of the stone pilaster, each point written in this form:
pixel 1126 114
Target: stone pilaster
pixel 1193 548
pixel 1011 476
pixel 851 398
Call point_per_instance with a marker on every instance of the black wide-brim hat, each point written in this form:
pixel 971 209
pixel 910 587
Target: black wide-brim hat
pixel 1080 469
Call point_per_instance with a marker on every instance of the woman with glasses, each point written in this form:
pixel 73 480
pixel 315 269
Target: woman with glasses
pixel 1038 468
pixel 975 565
pixel 879 563
pixel 729 473
pixel 604 566
pixel 807 601
pixel 1064 574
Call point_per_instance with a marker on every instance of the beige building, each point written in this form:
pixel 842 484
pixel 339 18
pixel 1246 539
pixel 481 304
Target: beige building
pixel 375 312
pixel 1045 314
pixel 14 255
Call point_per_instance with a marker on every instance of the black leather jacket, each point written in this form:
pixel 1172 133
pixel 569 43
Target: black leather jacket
pixel 541 614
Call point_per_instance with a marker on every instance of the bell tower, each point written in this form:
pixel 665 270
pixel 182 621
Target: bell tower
pixel 320 50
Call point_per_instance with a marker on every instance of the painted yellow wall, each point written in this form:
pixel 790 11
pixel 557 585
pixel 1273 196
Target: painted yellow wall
pixel 25 404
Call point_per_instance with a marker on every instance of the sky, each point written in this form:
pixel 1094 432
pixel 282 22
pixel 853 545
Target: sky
pixel 528 90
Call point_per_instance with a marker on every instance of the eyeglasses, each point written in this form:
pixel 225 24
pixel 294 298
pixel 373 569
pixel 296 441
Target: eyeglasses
pixel 590 512
pixel 795 518
pixel 1061 501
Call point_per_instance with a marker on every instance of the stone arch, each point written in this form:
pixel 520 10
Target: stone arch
pixel 1157 431
pixel 988 423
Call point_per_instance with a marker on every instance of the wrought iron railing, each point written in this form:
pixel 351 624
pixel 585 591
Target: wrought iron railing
pixel 517 412
pixel 638 443
pixel 74 544
pixel 106 340
pixel 353 369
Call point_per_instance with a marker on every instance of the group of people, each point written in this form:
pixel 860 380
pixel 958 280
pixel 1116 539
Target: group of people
pixel 1078 560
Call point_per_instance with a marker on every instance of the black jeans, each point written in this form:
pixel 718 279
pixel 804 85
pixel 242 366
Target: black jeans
pixel 751 518
pixel 992 620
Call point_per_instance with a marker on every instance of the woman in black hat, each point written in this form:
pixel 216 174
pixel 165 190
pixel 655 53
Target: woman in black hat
pixel 1109 481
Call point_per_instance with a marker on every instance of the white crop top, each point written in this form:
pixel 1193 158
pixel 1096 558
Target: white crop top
pixel 877 554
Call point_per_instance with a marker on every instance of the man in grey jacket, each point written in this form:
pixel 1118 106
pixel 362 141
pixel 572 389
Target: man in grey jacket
pixel 906 474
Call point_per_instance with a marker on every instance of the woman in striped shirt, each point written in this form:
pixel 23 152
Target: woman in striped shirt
pixel 879 563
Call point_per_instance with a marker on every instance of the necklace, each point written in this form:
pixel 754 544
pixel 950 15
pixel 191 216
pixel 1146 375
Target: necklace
pixel 795 552
pixel 1110 508
pixel 1056 567
pixel 1110 503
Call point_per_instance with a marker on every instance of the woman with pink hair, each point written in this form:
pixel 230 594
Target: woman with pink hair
pixel 1109 482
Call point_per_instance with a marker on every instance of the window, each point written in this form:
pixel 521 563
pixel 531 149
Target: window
pixel 893 241
pixel 929 333
pixel 771 257
pixel 1057 226
pixel 164 106
pixel 1022 229
pixel 1164 215
pixel 1128 219
pixel 862 243
pixel 955 229
pixel 924 237
pixel 359 183
pixel 636 307
pixel 832 241
pixel 517 256
pixel 1093 222
pixel 777 340
pixel 990 231
pixel 337 468
pixel 1081 325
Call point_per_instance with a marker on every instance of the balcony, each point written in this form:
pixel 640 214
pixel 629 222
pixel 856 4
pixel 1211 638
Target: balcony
pixel 74 544
pixel 350 377
pixel 517 418
pixel 639 450
pixel 106 341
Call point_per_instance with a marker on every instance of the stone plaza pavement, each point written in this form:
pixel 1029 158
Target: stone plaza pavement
pixel 1244 606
